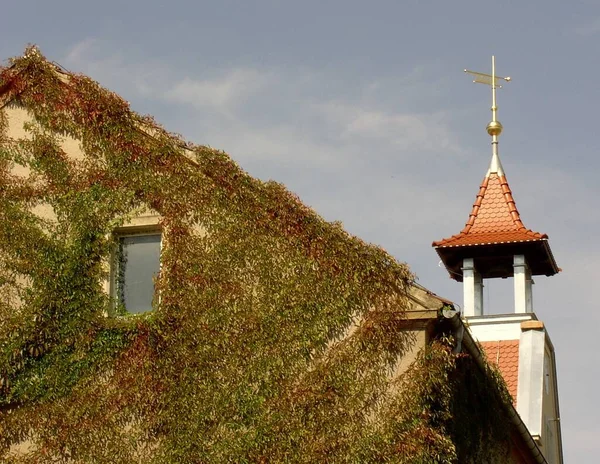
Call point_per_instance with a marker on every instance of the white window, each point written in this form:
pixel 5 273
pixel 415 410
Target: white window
pixel 136 267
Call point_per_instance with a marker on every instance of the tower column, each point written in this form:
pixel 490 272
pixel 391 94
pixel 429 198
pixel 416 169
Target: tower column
pixel 523 285
pixel 472 288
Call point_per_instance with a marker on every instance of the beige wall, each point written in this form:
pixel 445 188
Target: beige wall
pixel 424 306
pixel 17 118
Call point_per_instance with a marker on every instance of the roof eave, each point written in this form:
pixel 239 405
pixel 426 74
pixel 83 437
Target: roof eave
pixel 496 259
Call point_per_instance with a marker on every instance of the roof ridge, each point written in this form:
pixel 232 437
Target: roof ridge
pixel 510 201
pixel 475 210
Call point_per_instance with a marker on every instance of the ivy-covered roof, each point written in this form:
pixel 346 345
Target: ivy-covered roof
pixel 276 333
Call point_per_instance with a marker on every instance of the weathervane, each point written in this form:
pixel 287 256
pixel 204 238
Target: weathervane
pixel 494 128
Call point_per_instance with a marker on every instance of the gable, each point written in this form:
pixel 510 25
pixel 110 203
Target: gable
pixel 276 334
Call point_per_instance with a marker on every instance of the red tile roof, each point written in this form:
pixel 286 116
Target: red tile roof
pixel 493 219
pixel 505 355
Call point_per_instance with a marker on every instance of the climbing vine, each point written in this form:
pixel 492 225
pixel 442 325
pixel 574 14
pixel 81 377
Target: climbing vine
pixel 248 355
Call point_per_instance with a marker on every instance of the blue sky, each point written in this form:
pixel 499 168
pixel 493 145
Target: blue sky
pixel 363 110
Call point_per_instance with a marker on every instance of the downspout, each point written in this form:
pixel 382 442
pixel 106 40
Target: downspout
pixel 555 382
pixel 464 339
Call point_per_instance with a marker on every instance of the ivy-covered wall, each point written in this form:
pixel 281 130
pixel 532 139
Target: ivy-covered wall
pixel 276 331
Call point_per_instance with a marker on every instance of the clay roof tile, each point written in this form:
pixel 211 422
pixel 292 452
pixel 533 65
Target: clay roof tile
pixel 494 217
pixel 504 354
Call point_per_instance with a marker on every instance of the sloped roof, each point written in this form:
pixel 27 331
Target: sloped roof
pixel 495 232
pixel 494 217
pixel 505 355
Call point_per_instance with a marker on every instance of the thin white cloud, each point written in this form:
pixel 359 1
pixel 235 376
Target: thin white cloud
pixel 224 92
pixel 286 100
pixel 113 69
pixel 80 50
pixel 403 131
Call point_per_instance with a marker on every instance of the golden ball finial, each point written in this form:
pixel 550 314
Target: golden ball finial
pixel 494 128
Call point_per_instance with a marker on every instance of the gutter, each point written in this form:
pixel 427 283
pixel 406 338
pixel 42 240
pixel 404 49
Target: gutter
pixel 465 340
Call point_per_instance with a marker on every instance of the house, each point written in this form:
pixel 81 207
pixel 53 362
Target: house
pixel 160 305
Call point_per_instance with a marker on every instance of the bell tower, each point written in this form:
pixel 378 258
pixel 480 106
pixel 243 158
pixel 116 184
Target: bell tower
pixel 494 242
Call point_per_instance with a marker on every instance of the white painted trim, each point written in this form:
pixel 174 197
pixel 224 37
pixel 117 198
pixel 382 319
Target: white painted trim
pixel 530 387
pixel 472 289
pixel 523 285
pixel 495 164
pixel 498 326
pixel 501 318
pixel 130 231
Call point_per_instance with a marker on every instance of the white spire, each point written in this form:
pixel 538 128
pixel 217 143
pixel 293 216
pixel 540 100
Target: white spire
pixel 495 164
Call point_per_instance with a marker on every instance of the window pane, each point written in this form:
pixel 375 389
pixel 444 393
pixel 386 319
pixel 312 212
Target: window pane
pixel 138 266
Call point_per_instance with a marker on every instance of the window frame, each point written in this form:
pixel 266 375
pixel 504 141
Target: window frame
pixel 117 306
